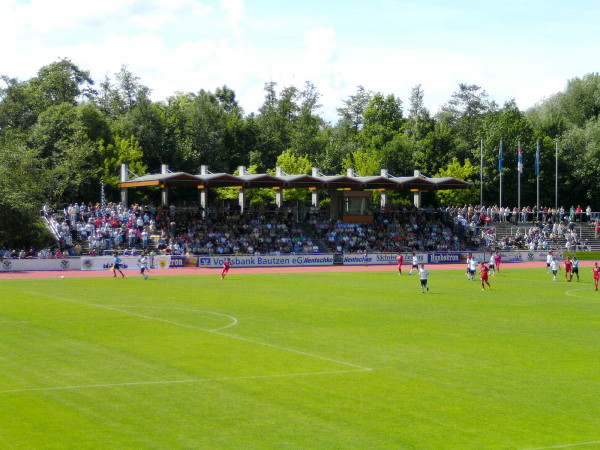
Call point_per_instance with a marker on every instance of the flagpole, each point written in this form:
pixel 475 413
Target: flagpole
pixel 500 170
pixel 537 182
pixel 519 169
pixel 556 175
pixel 481 175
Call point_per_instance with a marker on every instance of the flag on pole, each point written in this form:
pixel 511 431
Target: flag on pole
pixel 500 158
pixel 537 159
pixel 520 163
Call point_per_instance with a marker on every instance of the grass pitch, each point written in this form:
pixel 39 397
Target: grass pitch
pixel 317 360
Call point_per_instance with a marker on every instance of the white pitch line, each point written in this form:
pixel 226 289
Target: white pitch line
pixel 578 296
pixel 580 444
pixel 234 321
pixel 300 352
pixel 199 380
pixel 117 309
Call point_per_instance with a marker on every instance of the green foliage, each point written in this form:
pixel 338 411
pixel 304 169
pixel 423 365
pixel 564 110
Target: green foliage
pixel 365 163
pixel 294 165
pixel 22 190
pixel 462 172
pixel 123 151
pixel 253 196
pixel 60 116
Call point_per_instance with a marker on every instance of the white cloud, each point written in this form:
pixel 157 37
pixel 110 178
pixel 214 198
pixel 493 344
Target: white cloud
pixel 233 10
pixel 320 45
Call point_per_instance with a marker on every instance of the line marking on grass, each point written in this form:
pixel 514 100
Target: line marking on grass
pixel 578 296
pixel 300 352
pixel 199 380
pixel 234 321
pixel 580 444
pixel 213 331
pixel 158 319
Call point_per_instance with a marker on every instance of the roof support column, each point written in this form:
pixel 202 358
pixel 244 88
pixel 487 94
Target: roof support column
pixel 384 194
pixel 314 196
pixel 242 194
pixel 124 177
pixel 417 194
pixel 203 192
pixel 279 191
pixel 164 193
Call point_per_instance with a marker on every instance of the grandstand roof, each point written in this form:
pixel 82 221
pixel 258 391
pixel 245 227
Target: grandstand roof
pixel 171 179
pixel 450 183
pixel 250 181
pixel 261 180
pixel 379 182
pixel 302 181
pixel 342 182
pixel 214 180
pixel 420 183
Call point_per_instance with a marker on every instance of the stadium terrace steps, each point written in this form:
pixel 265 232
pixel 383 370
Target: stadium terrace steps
pixel 585 232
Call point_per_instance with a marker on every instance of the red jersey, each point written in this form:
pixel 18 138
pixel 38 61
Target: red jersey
pixel 568 265
pixel 400 259
pixel 596 271
pixel 484 272
pixel 226 265
pixel 497 259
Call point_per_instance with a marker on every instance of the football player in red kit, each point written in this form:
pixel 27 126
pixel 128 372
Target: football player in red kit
pixel 226 266
pixel 568 269
pixel 484 276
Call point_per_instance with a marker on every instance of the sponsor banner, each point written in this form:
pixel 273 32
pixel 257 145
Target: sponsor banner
pixel 267 260
pixel 106 262
pixel 15 265
pixel 357 259
pixel 527 256
pixel 391 258
pixel 184 261
pixel 161 262
pixel 515 256
pixel 444 258
pixel 477 256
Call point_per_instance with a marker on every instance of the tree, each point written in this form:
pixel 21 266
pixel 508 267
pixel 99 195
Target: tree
pixel 22 176
pixel 257 196
pixel 365 163
pixel 510 125
pixel 62 82
pixel 419 121
pixel 382 121
pixel 465 114
pixel 294 165
pixel 306 138
pixel 352 113
pixel 123 151
pixel 463 172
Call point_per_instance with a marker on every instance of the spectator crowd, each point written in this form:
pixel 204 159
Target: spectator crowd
pixel 96 229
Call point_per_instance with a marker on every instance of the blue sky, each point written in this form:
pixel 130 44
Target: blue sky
pixel 524 50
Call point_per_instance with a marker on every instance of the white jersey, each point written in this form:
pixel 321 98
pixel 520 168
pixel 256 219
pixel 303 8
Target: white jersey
pixel 549 259
pixel 492 260
pixel 473 265
pixel 415 260
pixel 423 273
pixel 554 265
pixel 143 262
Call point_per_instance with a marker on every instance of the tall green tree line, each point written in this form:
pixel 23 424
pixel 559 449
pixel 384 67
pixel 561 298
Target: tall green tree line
pixel 62 135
